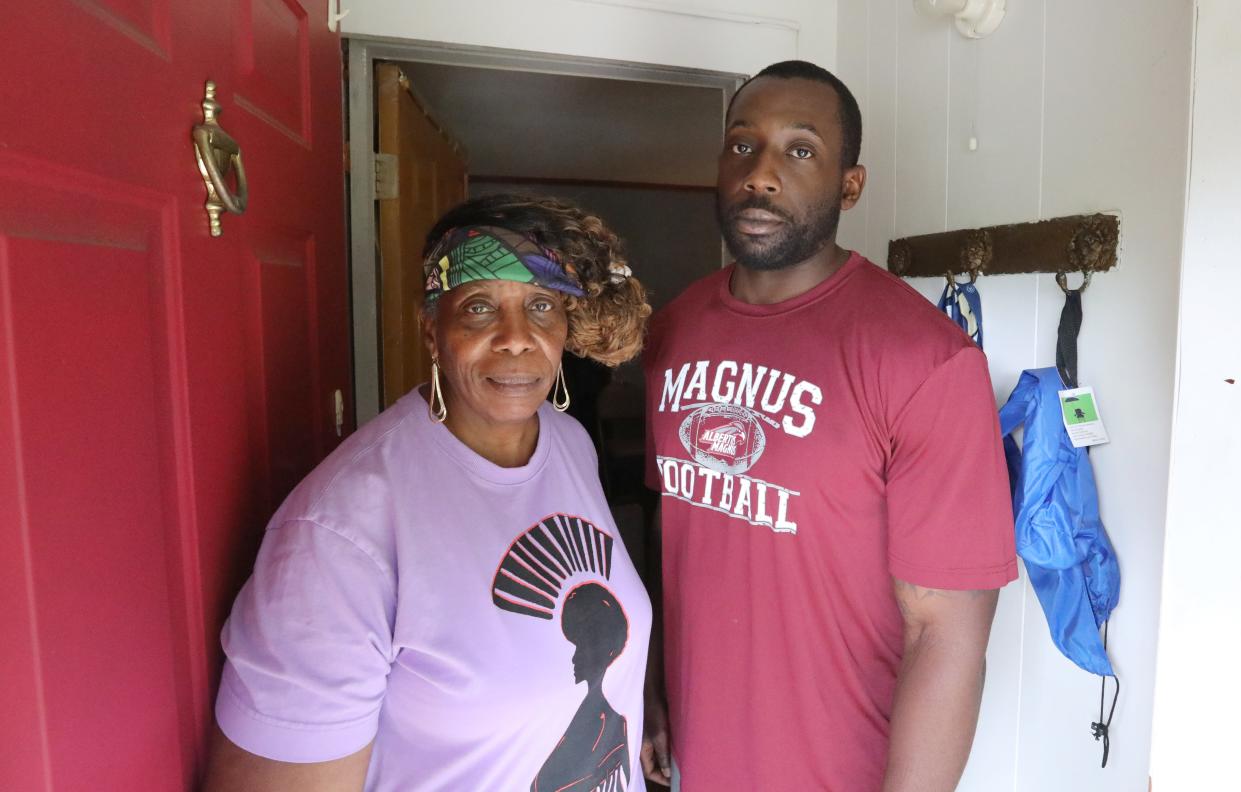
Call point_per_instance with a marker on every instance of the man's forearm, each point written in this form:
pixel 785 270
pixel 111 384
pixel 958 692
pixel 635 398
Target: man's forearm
pixel 938 693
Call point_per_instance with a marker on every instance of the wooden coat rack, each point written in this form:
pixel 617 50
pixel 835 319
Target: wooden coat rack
pixel 1080 243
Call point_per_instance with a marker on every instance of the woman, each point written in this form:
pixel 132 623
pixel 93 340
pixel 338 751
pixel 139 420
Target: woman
pixel 405 627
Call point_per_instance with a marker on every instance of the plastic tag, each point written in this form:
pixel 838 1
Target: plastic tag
pixel 1080 412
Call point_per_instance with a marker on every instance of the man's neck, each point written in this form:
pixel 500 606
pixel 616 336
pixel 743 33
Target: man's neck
pixel 766 287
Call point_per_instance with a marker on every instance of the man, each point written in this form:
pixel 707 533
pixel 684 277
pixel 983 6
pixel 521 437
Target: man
pixel 835 511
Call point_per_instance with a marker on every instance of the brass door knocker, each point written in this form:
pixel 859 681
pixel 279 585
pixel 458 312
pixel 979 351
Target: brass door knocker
pixel 217 154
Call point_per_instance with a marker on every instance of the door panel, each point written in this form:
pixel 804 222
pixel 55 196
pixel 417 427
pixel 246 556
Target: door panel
pixel 272 416
pixel 96 525
pixel 160 390
pixel 286 304
pixel 431 178
pixel 95 466
pixel 296 215
pixel 147 22
pixel 273 64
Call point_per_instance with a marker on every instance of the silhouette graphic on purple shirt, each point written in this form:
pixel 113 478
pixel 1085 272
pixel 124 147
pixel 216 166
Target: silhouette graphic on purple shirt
pixel 593 754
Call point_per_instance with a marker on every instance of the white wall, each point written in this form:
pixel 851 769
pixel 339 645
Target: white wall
pixel 1077 107
pixel 737 36
pixel 1198 692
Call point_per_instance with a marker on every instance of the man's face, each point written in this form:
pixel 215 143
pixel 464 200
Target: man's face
pixel 779 183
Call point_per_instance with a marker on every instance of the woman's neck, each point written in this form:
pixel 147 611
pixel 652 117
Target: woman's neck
pixel 505 445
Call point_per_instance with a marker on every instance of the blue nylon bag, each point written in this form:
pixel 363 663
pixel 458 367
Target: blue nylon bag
pixel 1060 537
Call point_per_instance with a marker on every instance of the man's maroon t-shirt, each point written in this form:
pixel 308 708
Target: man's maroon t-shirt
pixel 807 453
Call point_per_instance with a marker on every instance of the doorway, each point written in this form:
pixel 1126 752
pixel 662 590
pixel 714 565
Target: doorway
pixel 611 135
pixel 634 144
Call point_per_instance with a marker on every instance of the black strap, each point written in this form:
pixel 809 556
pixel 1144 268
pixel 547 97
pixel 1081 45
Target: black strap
pixel 1066 337
pixel 1101 727
pixel 1066 364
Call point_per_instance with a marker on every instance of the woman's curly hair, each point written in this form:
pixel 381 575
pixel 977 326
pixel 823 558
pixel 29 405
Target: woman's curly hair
pixel 608 324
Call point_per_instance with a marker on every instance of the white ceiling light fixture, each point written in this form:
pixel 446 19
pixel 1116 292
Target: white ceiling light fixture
pixel 974 18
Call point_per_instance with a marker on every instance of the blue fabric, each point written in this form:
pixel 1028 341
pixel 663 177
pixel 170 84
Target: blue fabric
pixel 963 305
pixel 1068 557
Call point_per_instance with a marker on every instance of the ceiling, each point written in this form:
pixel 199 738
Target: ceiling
pixel 528 125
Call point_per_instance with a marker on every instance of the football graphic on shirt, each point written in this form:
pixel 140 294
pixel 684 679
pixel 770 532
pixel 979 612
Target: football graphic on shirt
pixel 728 438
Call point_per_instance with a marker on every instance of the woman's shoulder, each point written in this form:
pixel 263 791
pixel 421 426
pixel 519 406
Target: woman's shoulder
pixel 569 432
pixel 356 477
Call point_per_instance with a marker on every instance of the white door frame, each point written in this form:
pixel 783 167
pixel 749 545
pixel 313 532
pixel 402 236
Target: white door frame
pixel 363 52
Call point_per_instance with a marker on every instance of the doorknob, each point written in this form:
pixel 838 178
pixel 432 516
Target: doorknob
pixel 217 153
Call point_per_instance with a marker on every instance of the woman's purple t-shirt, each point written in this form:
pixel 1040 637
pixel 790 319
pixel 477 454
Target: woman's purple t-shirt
pixel 484 626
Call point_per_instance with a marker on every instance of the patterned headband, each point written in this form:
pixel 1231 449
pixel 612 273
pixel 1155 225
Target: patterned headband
pixel 475 253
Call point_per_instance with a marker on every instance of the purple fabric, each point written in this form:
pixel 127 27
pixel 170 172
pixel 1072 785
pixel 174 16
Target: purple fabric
pixel 412 593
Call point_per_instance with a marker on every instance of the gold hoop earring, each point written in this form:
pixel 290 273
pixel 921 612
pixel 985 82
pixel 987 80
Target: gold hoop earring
pixel 438 412
pixel 560 388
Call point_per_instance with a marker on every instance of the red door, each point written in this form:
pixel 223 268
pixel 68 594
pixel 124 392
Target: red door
pixel 160 389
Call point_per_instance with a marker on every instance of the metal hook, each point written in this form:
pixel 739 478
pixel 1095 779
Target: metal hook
pixel 1062 280
pixel 952 277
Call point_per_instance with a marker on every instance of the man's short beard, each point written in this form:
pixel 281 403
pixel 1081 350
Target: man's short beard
pixel 794 244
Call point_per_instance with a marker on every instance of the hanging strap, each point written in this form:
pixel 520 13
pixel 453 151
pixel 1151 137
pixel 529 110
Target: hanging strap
pixel 1101 727
pixel 1066 363
pixel 962 303
pixel 1066 337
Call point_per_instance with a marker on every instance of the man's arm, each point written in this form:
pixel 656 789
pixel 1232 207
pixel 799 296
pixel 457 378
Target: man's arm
pixel 939 687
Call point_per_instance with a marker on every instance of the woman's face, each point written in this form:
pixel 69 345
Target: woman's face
pixel 499 344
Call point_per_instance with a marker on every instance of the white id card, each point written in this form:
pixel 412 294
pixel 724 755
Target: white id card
pixel 1081 416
